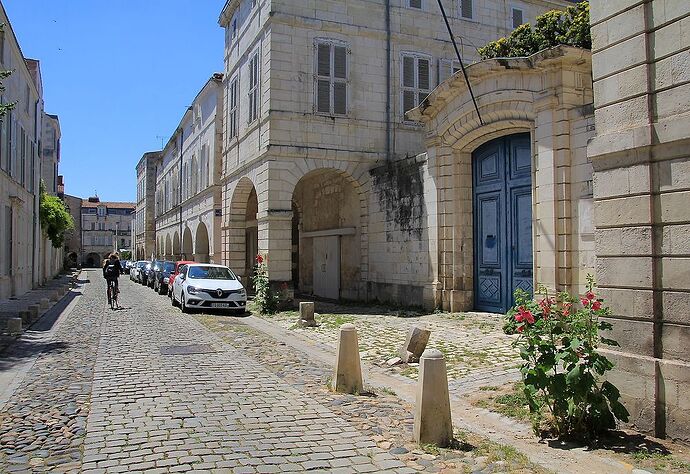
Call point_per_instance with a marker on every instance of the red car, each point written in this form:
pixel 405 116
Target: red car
pixel 176 272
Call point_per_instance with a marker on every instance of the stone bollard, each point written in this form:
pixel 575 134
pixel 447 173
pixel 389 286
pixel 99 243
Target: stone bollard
pixel 306 314
pixel 432 421
pixel 14 325
pixel 414 346
pixel 348 371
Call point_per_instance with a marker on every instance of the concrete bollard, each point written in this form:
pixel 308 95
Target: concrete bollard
pixel 306 314
pixel 348 371
pixel 432 421
pixel 14 325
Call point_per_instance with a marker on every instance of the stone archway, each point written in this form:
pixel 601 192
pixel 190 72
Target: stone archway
pixel 176 249
pixel 546 95
pixel 93 260
pixel 168 247
pixel 326 234
pixel 242 241
pixel 201 244
pixel 187 245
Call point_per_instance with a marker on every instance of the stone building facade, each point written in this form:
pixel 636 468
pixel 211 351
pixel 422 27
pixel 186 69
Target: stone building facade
pixel 315 95
pixel 641 160
pixel 20 134
pixel 144 217
pixel 188 195
pixel 105 227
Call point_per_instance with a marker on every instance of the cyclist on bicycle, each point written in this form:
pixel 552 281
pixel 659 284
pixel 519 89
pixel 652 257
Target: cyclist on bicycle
pixel 111 272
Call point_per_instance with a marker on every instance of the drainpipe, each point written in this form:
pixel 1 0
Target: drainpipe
pixel 179 190
pixel 388 79
pixel 36 201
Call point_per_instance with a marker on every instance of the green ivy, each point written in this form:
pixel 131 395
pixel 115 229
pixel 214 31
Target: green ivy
pixel 555 27
pixel 54 217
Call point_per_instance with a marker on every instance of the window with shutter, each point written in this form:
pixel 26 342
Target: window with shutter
pixel 253 87
pixel 415 81
pixel 517 17
pixel 232 114
pixel 466 9
pixel 330 78
pixel 414 4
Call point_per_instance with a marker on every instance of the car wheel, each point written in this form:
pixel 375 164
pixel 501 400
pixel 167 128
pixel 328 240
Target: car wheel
pixel 172 300
pixel 162 290
pixel 185 309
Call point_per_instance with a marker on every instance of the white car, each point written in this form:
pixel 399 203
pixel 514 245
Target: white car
pixel 204 285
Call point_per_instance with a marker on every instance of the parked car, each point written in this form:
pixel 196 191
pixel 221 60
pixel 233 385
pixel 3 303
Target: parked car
pixel 178 267
pixel 125 266
pixel 151 272
pixel 142 269
pixel 134 270
pixel 205 285
pixel 162 276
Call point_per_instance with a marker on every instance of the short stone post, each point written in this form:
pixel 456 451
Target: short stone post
pixel 306 314
pixel 417 338
pixel 348 371
pixel 14 325
pixel 432 421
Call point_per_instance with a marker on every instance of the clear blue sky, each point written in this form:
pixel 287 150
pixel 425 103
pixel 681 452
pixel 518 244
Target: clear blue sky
pixel 118 74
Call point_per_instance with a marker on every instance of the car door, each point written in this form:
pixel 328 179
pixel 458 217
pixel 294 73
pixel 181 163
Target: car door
pixel 177 285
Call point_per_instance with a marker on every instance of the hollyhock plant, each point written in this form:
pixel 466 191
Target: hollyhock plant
pixel 265 298
pixel 562 368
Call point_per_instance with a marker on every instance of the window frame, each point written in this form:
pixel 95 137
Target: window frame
pixel 332 80
pixel 473 11
pixel 233 110
pixel 417 56
pixel 421 8
pixel 254 88
pixel 511 19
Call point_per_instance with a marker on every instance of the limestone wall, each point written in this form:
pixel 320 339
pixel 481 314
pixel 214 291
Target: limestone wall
pixel 641 159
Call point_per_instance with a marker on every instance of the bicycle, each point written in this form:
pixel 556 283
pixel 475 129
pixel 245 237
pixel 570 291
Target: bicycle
pixel 113 291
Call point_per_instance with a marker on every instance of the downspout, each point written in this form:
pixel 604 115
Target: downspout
pixel 36 206
pixel 388 79
pixel 179 188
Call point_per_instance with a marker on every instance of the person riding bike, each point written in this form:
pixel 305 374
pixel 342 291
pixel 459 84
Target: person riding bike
pixel 111 272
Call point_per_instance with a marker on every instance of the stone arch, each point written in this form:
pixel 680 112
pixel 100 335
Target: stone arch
pixel 329 210
pixel 241 242
pixel 168 247
pixel 93 260
pixel 546 95
pixel 201 244
pixel 187 244
pixel 176 248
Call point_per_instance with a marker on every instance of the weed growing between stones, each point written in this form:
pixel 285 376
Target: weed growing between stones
pixel 558 342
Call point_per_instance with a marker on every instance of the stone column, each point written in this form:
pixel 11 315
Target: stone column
pixel 275 240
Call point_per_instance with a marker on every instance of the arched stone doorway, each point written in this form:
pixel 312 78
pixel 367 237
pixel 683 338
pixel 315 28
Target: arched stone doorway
pixel 242 241
pixel 168 247
pixel 93 260
pixel 187 245
pixel 326 230
pixel 176 250
pixel 201 245
pixel 502 209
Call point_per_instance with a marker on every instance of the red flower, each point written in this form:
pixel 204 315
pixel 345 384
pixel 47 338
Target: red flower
pixel 545 306
pixel 596 305
pixel 585 301
pixel 525 315
pixel 520 328
pixel 259 259
pixel 590 296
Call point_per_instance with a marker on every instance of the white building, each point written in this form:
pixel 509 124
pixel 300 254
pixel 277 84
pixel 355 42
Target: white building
pixel 315 98
pixel 52 259
pixel 188 195
pixel 105 227
pixel 20 133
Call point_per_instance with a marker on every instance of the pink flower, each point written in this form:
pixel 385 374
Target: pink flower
pixel 590 296
pixel 525 315
pixel 259 259
pixel 596 305
pixel 545 306
pixel 520 328
pixel 585 301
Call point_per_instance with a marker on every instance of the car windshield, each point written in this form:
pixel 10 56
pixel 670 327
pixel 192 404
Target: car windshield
pixel 168 267
pixel 210 273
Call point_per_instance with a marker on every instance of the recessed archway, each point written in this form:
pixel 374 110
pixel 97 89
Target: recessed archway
pixel 168 246
pixel 243 237
pixel 176 250
pixel 327 227
pixel 187 244
pixel 93 260
pixel 201 245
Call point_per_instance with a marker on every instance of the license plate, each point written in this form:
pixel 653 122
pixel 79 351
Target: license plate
pixel 220 305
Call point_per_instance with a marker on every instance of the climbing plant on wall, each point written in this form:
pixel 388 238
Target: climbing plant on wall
pixel 54 217
pixel 555 27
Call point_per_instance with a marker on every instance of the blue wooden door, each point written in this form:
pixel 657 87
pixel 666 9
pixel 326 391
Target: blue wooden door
pixel 502 175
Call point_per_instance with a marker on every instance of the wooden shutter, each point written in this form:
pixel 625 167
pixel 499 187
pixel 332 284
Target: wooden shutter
pixel 340 62
pixel 408 71
pixel 323 96
pixel 423 74
pixel 466 8
pixel 323 60
pixel 339 98
pixel 408 100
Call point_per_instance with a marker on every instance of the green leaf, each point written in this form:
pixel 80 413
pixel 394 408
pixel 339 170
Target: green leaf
pixel 619 411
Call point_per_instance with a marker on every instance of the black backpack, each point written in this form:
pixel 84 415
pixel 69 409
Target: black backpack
pixel 111 271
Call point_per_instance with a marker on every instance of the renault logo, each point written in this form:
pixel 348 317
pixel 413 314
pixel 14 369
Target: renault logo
pixel 219 292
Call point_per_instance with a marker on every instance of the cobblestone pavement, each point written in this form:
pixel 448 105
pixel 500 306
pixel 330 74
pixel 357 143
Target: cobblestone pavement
pixel 476 349
pixel 112 396
pixel 379 414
